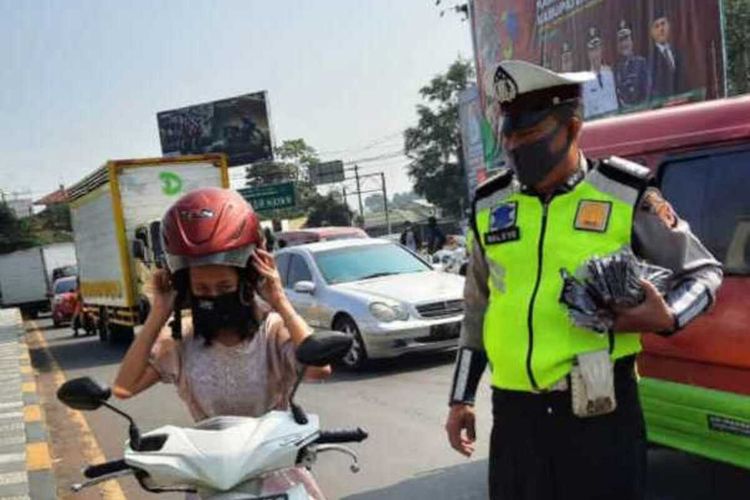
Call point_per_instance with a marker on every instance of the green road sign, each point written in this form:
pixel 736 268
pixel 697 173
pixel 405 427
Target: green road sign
pixel 270 197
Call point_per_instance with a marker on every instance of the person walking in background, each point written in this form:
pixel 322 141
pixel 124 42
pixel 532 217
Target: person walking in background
pixel 409 238
pixel 631 71
pixel 435 236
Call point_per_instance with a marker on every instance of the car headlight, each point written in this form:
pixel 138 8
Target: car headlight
pixel 388 312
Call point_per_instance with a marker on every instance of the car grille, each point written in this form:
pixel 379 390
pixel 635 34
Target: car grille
pixel 441 309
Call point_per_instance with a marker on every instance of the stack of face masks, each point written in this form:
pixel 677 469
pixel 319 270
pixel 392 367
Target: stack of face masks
pixel 605 283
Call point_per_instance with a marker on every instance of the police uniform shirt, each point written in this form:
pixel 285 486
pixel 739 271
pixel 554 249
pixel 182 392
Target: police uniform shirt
pixel 659 236
pixel 599 94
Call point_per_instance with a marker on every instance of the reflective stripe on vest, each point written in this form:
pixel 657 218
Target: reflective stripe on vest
pixel 530 341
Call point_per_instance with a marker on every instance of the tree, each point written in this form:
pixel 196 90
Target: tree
pixel 374 203
pixel 737 39
pixel 461 9
pixel 401 200
pixel 434 144
pixel 15 233
pixel 54 218
pixel 328 211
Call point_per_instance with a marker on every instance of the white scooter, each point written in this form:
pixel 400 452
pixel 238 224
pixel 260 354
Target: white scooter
pixel 223 458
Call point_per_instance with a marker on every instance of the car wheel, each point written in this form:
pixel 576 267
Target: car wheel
pixel 357 355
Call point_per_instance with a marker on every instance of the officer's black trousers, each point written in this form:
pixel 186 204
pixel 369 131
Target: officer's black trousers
pixel 540 450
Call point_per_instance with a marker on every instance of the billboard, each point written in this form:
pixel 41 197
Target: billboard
pixel 645 53
pixel 238 126
pixel 329 172
pixel 470 118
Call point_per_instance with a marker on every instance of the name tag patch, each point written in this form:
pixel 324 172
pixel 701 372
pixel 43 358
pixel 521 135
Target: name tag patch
pixel 593 215
pixel 502 236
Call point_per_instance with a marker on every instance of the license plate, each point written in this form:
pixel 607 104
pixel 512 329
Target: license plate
pixel 445 332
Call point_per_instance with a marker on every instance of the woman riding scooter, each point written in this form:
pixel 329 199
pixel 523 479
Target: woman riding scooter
pixel 234 356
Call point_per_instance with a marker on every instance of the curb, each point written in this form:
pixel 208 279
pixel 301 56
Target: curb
pixel 25 461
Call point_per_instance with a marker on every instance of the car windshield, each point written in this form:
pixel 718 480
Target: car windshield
pixel 65 286
pixel 361 262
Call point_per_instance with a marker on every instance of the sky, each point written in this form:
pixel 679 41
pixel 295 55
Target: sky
pixel 82 80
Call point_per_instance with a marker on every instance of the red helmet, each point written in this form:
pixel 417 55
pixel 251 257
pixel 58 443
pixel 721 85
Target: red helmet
pixel 209 226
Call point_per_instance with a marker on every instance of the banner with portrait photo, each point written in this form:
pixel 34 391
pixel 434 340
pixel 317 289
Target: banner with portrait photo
pixel 238 126
pixel 644 53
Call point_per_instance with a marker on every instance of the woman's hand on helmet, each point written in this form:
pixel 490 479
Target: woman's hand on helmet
pixel 162 294
pixel 269 285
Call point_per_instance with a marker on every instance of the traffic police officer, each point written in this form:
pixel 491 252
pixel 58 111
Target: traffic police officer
pixel 555 209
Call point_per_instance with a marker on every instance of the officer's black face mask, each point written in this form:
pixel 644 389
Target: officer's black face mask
pixel 533 161
pixel 227 311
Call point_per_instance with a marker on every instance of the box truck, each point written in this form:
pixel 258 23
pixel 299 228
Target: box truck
pixel 109 209
pixel 27 275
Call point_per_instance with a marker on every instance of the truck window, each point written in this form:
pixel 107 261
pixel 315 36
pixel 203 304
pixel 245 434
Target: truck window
pixel 65 286
pixel 711 193
pixel 140 234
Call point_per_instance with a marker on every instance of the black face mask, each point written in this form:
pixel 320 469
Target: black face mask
pixel 532 162
pixel 227 311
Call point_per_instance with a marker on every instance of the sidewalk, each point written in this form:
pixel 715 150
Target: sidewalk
pixel 25 465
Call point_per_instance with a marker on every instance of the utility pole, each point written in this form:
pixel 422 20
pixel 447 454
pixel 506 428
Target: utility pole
pixel 385 203
pixel 359 191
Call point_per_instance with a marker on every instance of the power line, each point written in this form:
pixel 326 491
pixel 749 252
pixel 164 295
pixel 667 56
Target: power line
pixel 381 140
pixel 383 156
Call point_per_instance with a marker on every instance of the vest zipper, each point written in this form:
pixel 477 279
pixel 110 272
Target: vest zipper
pixel 530 319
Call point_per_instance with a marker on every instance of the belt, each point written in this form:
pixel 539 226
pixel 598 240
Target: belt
pixel 624 370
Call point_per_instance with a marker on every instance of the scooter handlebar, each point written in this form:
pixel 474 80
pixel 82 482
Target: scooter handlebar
pixel 342 436
pixel 98 470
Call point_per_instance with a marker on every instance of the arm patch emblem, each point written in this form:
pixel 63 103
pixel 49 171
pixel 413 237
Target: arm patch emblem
pixel 653 201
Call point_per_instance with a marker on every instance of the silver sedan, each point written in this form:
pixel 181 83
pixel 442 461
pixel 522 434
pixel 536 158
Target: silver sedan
pixel 388 299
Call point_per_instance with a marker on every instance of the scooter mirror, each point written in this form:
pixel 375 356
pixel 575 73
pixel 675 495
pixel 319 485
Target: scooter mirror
pixel 323 348
pixel 83 394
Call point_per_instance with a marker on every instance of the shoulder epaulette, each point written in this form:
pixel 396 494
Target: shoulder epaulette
pixel 625 171
pixel 500 180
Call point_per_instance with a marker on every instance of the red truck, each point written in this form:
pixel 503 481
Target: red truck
pixel 695 386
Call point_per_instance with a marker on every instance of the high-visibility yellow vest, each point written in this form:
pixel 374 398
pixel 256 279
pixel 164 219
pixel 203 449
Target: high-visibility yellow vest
pixel 529 339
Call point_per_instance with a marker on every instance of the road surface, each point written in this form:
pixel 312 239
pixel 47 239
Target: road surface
pixel 402 404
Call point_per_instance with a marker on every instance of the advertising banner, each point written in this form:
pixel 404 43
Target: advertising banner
pixel 644 53
pixel 238 126
pixel 470 118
